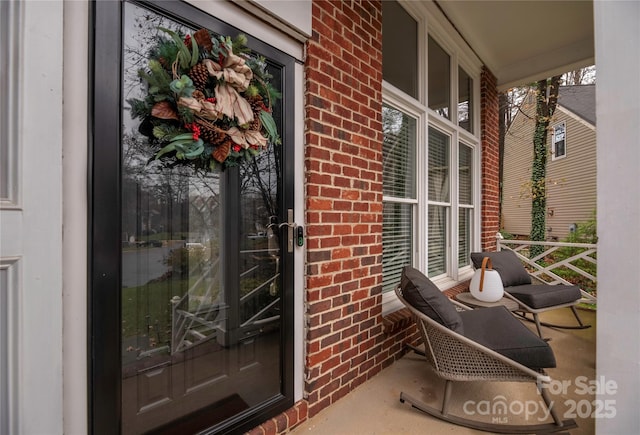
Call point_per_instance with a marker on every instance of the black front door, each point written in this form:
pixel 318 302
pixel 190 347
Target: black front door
pixel 191 268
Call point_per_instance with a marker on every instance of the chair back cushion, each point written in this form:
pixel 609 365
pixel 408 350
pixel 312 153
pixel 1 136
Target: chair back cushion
pixel 507 264
pixel 423 295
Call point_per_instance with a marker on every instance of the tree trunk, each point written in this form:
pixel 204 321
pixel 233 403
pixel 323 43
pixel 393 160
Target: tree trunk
pixel 546 100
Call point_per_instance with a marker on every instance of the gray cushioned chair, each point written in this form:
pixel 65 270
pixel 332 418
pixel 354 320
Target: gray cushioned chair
pixel 533 298
pixel 487 344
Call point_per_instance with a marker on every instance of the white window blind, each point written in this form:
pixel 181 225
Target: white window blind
pixel 397 246
pixel 438 166
pixel 464 236
pixel 398 154
pixel 465 203
pixel 437 240
pixel 439 205
pixel 399 189
pixel 465 165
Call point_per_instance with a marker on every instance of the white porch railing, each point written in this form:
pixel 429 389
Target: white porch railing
pixel 548 265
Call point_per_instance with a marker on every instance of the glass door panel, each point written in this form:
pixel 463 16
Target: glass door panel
pixel 203 296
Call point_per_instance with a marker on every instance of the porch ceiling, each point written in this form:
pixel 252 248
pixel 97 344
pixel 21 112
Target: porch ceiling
pixel 521 40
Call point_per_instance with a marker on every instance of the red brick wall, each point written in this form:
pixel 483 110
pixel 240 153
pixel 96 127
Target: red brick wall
pixel 347 340
pixel 490 202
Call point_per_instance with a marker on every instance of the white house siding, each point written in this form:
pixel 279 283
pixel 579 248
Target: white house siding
pixel 571 180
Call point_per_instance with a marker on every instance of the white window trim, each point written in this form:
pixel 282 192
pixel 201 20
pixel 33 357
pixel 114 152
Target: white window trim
pixel 398 99
pixel 554 155
pixel 430 23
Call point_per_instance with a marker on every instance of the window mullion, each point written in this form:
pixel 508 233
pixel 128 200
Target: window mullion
pixel 455 199
pixel 420 259
pixel 454 89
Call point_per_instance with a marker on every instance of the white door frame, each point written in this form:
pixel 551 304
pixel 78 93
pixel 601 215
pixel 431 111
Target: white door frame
pixel 31 219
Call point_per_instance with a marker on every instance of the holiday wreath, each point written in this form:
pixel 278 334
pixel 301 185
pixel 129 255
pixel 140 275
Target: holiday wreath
pixel 208 101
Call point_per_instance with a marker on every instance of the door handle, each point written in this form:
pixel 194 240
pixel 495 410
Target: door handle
pixel 290 229
pixel 287 224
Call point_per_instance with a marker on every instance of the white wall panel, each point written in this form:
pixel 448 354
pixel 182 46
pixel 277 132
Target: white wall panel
pixel 75 211
pixel 9 291
pixel 9 151
pixel 31 217
pixel 10 217
pixel 617 38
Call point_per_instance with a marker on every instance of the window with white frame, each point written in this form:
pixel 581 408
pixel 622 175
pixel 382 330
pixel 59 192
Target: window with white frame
pixel 439 201
pixel 430 152
pixel 400 193
pixel 559 141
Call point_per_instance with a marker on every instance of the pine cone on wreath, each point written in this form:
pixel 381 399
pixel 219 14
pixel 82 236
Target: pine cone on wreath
pixel 256 102
pixel 257 106
pixel 203 38
pixel 199 75
pixel 255 125
pixel 214 137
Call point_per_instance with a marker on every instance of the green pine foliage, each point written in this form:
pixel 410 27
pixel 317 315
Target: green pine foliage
pixel 167 111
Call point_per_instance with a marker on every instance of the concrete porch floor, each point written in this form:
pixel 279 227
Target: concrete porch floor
pixel 374 407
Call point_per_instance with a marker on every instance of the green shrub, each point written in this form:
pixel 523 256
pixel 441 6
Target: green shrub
pixel 183 260
pixel 585 233
pixel 506 235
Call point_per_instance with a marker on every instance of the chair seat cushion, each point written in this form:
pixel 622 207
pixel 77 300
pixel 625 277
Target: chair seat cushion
pixel 426 297
pixel 497 329
pixel 543 295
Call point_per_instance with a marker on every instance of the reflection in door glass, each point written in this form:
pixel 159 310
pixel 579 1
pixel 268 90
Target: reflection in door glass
pixel 201 284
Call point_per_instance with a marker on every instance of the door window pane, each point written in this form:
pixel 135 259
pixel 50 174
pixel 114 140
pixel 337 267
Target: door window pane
pixel 439 80
pixel 399 48
pixel 465 100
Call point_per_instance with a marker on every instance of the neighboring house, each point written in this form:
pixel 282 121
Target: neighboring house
pixel 571 164
pixel 135 296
